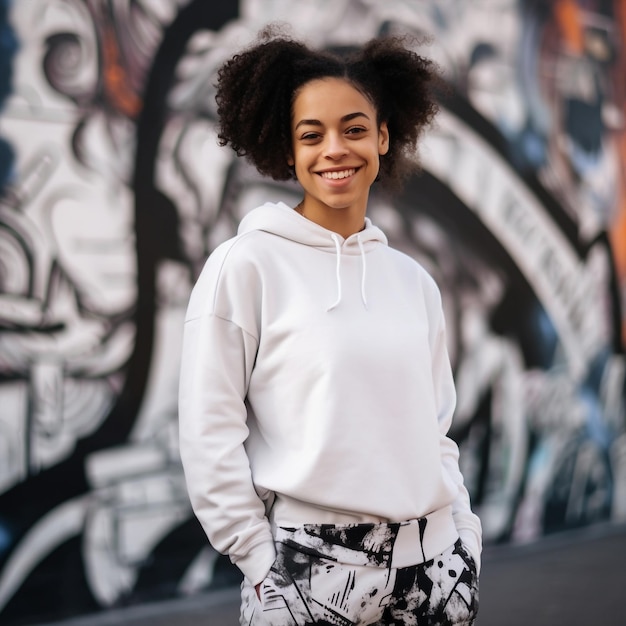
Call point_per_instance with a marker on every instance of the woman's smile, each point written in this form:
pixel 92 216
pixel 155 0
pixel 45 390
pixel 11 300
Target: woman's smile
pixel 338 174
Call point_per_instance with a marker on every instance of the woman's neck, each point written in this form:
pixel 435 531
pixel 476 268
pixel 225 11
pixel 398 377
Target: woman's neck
pixel 343 221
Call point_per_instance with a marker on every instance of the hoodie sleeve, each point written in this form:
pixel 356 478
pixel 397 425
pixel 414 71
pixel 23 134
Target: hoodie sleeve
pixel 467 523
pixel 219 349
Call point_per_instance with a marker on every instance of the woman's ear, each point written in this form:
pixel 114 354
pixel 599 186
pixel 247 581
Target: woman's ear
pixel 383 139
pixel 290 161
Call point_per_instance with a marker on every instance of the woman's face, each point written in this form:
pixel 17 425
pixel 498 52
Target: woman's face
pixel 336 145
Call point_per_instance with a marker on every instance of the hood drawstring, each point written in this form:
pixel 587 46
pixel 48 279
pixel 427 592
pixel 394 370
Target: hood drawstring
pixel 338 271
pixel 363 270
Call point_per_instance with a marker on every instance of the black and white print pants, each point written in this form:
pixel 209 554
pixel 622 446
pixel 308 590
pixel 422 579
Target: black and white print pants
pixel 316 579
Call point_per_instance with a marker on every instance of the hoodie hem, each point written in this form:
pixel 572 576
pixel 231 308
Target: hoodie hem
pixel 390 545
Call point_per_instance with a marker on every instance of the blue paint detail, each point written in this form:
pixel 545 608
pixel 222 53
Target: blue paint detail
pixel 6 538
pixel 547 336
pixel 8 47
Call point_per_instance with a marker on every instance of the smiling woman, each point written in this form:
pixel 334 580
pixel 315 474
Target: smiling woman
pixel 316 392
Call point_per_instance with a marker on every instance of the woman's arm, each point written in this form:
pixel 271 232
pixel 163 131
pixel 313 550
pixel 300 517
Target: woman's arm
pixel 217 360
pixel 467 523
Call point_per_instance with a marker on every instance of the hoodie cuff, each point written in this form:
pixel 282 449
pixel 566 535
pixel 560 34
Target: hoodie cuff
pixel 256 564
pixel 468 539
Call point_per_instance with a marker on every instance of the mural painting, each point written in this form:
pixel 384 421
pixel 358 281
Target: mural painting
pixel 114 192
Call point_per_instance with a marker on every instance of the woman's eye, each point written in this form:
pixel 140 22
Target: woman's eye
pixel 355 130
pixel 310 136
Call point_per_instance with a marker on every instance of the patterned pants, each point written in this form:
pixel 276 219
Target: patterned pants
pixel 342 575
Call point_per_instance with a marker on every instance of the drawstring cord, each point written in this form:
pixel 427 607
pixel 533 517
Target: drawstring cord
pixel 338 271
pixel 363 270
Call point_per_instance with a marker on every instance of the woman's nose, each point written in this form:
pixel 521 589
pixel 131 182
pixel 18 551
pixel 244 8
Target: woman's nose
pixel 335 146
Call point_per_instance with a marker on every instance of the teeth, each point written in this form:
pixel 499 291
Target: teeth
pixel 338 175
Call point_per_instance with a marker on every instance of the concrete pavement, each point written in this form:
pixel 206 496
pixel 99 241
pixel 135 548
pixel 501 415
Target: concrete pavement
pixel 576 578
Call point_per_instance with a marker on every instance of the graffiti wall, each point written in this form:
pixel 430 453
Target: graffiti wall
pixel 114 192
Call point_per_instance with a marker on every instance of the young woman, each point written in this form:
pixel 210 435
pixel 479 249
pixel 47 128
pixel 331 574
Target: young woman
pixel 316 391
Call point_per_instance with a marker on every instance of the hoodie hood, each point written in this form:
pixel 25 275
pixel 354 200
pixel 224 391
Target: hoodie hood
pixel 284 221
pixel 281 220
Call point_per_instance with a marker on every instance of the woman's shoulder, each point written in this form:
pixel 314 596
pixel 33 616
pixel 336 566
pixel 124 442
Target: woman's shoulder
pixel 411 264
pixel 239 250
pixel 228 274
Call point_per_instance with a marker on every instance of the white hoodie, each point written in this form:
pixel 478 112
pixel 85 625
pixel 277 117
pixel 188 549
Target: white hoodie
pixel 316 388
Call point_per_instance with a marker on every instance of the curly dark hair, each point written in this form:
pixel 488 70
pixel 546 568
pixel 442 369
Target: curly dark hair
pixel 257 87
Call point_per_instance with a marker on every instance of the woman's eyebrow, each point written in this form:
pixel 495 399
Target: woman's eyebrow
pixel 345 118
pixel 351 116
